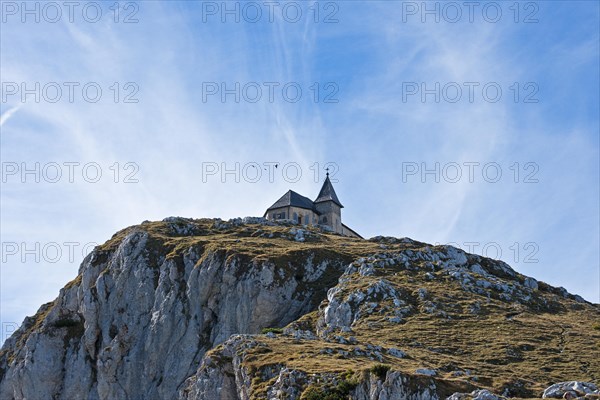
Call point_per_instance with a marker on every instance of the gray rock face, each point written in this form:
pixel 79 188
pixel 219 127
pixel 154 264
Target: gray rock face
pixel 222 377
pixel 137 323
pixel 481 394
pixel 531 283
pixel 142 314
pixel 395 386
pixel 221 380
pixel 342 311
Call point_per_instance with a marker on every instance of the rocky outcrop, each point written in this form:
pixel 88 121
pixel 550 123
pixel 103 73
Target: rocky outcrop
pixel 137 321
pixel 396 386
pixel 223 376
pixel 175 309
pixel 570 390
pixel 481 394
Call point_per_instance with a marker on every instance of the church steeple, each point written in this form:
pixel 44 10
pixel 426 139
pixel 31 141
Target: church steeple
pixel 325 211
pixel 327 192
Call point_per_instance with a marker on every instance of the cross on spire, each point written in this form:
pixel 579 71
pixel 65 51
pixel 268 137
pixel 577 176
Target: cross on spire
pixel 327 169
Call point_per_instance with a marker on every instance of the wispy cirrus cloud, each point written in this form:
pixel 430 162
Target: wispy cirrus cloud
pixel 369 132
pixel 7 114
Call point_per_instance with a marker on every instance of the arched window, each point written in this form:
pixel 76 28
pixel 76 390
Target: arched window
pixel 295 217
pixel 324 220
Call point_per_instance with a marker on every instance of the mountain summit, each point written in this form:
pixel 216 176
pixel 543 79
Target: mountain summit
pixel 259 309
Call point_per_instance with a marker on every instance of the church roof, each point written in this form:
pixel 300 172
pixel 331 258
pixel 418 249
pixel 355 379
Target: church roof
pixel 293 199
pixel 327 193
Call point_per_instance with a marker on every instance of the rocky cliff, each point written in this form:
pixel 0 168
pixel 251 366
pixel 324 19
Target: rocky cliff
pixel 175 310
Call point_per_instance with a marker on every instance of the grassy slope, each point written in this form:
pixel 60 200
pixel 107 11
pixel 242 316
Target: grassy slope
pixel 504 343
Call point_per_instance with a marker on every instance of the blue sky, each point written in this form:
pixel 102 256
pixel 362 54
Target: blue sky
pixel 542 213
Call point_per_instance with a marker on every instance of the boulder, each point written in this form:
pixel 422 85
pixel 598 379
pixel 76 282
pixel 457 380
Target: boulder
pixel 558 390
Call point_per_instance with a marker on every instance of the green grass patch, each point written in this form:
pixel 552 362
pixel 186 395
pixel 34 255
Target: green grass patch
pixel 277 331
pixel 380 370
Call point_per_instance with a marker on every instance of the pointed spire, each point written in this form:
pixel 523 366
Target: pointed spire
pixel 327 192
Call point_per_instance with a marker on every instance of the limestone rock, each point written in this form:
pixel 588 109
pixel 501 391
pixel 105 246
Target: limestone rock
pixel 395 386
pixel 136 322
pixel 173 310
pixel 481 394
pixel 426 371
pixel 558 390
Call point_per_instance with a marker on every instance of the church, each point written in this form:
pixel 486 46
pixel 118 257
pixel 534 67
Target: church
pixel 326 210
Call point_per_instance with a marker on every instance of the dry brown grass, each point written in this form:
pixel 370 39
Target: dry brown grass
pixel 553 339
